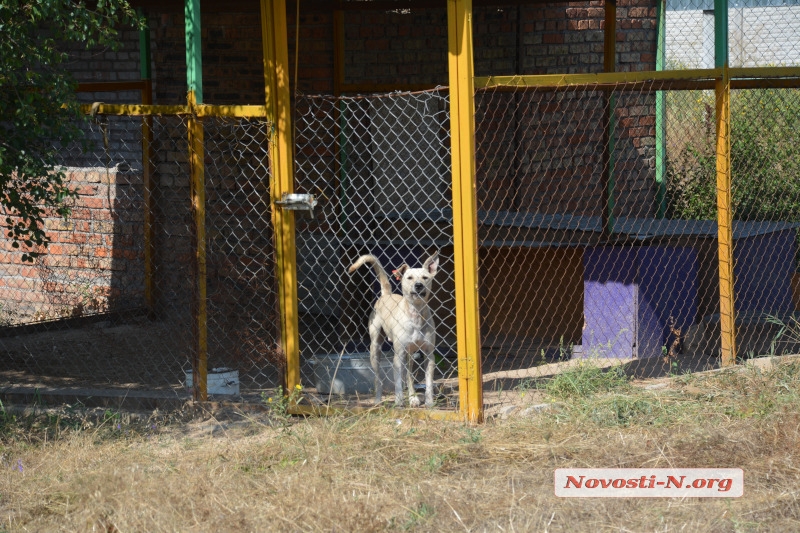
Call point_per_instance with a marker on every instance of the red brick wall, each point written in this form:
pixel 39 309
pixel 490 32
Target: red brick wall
pixel 394 47
pixel 94 263
pixel 526 160
pixel 411 47
pixel 541 152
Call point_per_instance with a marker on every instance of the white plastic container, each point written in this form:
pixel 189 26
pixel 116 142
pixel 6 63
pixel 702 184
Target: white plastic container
pixel 219 381
pixel 349 373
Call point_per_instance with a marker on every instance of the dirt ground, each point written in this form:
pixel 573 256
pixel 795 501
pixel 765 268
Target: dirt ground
pixel 104 357
pixel 134 354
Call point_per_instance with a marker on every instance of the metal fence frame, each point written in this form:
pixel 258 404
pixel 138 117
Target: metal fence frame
pixel 463 84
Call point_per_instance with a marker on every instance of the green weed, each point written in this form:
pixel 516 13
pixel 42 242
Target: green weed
pixel 417 516
pixel 279 403
pixel 473 436
pixel 586 379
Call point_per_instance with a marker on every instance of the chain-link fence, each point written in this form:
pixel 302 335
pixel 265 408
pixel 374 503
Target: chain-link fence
pixel 598 228
pixel 761 33
pixel 77 317
pixel 114 301
pixel 243 314
pixel 598 240
pixel 766 194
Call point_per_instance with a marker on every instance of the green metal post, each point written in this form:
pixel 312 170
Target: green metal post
pixel 661 119
pixel 144 50
pixel 194 62
pixel 720 33
pixel 147 177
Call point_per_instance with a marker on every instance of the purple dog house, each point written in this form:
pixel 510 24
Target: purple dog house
pixel 630 293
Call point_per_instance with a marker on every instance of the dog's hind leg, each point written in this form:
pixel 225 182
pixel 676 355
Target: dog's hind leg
pixel 376 341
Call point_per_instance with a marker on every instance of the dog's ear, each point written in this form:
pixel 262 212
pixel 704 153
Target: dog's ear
pixel 398 274
pixel 432 264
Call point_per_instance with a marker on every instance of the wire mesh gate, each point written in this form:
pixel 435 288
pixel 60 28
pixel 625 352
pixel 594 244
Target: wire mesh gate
pixel 381 168
pixel 112 304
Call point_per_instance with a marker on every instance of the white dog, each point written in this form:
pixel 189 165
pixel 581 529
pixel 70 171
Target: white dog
pixel 407 322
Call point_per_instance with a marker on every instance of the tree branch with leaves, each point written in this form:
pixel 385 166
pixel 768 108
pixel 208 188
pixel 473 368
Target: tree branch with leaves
pixel 39 111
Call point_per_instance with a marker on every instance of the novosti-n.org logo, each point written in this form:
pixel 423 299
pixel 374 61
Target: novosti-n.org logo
pixel 649 482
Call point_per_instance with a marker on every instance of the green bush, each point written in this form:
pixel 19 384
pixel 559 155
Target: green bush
pixel 765 155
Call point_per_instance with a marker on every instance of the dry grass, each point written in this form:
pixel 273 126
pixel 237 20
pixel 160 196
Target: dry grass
pixel 228 470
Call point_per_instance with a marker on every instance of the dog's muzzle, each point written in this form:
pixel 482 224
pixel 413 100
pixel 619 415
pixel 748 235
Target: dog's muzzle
pixel 420 290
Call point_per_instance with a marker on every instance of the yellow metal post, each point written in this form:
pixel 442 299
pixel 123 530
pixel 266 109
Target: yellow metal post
pixel 722 91
pixel 198 195
pixel 725 220
pixel 465 227
pixel 278 103
pixel 194 81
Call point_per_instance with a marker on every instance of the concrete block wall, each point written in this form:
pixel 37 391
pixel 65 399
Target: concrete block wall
pixel 396 47
pixel 233 70
pixel 106 64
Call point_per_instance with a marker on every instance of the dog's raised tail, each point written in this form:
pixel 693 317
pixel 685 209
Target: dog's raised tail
pixel 383 278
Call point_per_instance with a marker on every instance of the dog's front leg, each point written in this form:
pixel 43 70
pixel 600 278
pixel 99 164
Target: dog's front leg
pixel 400 371
pixel 431 367
pixel 413 399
